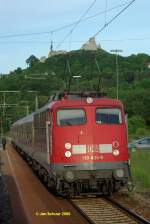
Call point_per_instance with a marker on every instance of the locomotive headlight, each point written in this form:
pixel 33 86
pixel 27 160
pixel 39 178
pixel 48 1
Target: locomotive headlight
pixel 89 100
pixel 67 154
pixel 68 145
pixel 120 173
pixel 69 176
pixel 116 152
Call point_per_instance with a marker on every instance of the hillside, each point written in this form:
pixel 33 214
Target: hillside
pixel 134 83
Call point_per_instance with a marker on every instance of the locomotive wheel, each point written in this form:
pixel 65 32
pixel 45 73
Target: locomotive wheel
pixel 64 190
pixel 110 188
pixel 45 178
pixel 35 166
pixel 104 189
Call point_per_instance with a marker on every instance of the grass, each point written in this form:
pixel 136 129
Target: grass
pixel 140 167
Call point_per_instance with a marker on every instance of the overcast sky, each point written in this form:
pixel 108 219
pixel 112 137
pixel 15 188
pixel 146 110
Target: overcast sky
pixel 130 32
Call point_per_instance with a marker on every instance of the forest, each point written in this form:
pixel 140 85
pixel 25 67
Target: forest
pixel 96 70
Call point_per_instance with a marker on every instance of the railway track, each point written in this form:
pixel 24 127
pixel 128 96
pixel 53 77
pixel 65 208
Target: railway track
pixel 106 211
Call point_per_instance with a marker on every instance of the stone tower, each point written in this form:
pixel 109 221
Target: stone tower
pixel 91 45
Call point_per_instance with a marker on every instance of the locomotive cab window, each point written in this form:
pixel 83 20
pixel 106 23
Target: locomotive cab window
pixel 108 116
pixel 70 117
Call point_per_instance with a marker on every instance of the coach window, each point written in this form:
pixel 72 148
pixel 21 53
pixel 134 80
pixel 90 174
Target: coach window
pixel 108 116
pixel 70 117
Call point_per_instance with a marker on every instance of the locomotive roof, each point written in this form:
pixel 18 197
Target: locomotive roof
pixel 71 99
pixel 77 100
pixel 83 102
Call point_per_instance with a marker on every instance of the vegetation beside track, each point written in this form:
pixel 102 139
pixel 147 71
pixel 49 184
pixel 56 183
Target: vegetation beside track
pixel 140 167
pixel 134 84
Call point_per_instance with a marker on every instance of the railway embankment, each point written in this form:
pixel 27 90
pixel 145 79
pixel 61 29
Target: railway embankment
pixel 138 201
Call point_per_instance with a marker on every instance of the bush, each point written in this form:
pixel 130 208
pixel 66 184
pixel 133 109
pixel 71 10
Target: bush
pixel 137 127
pixel 140 161
pixel 134 123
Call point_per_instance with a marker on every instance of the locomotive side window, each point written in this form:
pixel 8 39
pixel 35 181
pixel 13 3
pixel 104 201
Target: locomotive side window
pixel 69 117
pixel 108 116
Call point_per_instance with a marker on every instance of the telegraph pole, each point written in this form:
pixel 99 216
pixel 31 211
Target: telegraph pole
pixel 36 98
pixel 26 106
pixel 4 99
pixel 4 105
pixel 117 71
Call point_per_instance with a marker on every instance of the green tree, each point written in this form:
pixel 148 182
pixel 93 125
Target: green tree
pixel 18 70
pixel 134 123
pixel 32 60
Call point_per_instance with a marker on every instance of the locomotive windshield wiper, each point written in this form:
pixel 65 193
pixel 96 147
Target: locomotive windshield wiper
pixel 67 123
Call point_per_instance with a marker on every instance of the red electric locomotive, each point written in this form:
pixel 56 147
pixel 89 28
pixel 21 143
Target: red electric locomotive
pixel 77 143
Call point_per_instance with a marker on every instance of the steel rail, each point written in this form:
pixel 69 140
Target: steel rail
pixel 90 221
pixel 129 212
pixel 105 212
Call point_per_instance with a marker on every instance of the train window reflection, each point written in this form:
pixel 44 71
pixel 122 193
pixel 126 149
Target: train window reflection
pixel 108 116
pixel 69 117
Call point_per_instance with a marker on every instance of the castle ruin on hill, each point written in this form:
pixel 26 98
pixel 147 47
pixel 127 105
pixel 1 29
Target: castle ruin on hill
pixel 90 45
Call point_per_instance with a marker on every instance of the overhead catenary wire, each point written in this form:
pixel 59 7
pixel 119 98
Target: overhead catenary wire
pixel 80 41
pixel 76 24
pixel 106 12
pixel 111 20
pixel 70 75
pixel 92 16
pixel 61 27
pixel 100 77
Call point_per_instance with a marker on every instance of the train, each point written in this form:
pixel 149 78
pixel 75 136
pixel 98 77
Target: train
pixel 77 143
